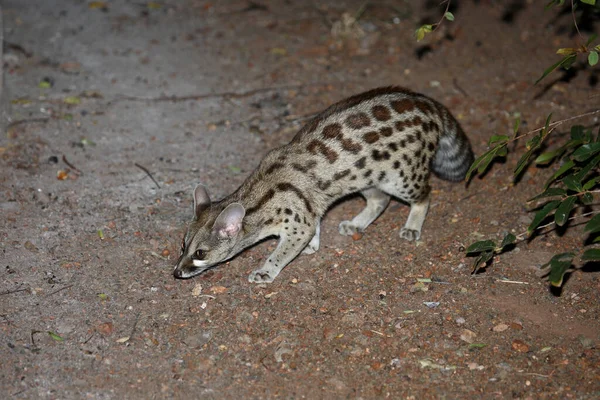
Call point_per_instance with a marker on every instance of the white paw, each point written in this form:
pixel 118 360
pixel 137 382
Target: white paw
pixel 262 276
pixel 347 228
pixel 310 249
pixel 410 234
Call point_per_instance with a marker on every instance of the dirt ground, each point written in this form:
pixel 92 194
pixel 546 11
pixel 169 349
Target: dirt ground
pixel 198 91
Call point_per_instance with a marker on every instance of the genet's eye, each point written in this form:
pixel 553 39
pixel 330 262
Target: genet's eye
pixel 199 255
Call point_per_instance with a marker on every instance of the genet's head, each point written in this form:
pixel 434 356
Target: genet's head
pixel 211 237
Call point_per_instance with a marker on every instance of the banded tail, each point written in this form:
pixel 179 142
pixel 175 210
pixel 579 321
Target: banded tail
pixel 454 155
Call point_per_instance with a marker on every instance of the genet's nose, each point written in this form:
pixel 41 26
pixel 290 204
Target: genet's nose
pixel 177 273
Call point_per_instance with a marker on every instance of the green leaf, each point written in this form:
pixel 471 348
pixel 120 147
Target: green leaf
pixel 481 246
pixel 590 2
pixel 591 183
pixel 420 33
pixel 593 58
pixel 482 260
pixel 547 125
pixel 587 198
pixel 483 161
pixel 565 62
pixel 72 100
pixel 545 158
pixel 566 51
pixel 591 255
pixel 553 191
pixel 498 139
pixel 559 264
pixel 449 16
pixel 593 225
pixel 541 214
pixel 572 183
pixel 587 168
pixel 508 239
pixel 55 336
pixel 517 125
pixel 523 162
pixel 563 168
pixel 586 151
pixel 564 210
pixel 477 345
pixel 577 132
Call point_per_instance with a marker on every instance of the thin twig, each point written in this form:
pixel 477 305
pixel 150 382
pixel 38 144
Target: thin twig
pixel 137 318
pixel 554 222
pixel 507 281
pixel 61 289
pixel 147 173
pixel 575 19
pixel 14 291
pixel 26 121
pixel 443 15
pixel 234 95
pixel 64 158
pixel 557 123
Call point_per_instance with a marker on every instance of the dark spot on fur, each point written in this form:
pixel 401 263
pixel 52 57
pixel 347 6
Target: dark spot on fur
pixel 358 120
pixel 430 146
pixel 332 131
pixel 393 146
pixel 261 202
pixel 402 106
pixel 288 187
pixel 306 167
pixel 424 107
pixel 297 218
pixel 341 174
pixel 360 163
pixel 396 164
pixel 268 222
pixel 381 176
pixel 386 131
pixel 317 146
pixel 367 173
pixel 288 211
pixel 351 146
pixel 353 177
pixel 381 113
pixel 274 167
pixel 371 137
pixel 323 185
pixel 378 156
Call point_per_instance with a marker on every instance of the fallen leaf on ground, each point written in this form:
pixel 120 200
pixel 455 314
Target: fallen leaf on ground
pixel 520 346
pixel 218 289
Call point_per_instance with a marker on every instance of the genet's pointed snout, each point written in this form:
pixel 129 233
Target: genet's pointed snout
pixel 177 273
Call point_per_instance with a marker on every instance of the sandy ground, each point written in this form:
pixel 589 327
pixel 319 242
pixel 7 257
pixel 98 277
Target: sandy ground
pixel 199 91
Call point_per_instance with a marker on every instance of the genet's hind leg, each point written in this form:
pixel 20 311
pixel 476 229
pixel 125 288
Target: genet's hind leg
pixel 377 201
pixel 416 217
pixel 313 245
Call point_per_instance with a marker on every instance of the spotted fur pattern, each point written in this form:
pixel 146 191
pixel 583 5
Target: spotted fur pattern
pixel 383 143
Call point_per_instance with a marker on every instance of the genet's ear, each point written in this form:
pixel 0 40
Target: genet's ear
pixel 201 200
pixel 229 222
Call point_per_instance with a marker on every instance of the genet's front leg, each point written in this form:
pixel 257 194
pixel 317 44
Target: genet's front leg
pixel 289 246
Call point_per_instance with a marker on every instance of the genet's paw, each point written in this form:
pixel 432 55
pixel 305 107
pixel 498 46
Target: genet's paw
pixel 410 234
pixel 310 249
pixel 347 228
pixel 262 276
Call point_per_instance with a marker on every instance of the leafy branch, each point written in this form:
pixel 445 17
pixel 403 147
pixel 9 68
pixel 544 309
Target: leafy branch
pixel 572 185
pixel 570 54
pixel 429 28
